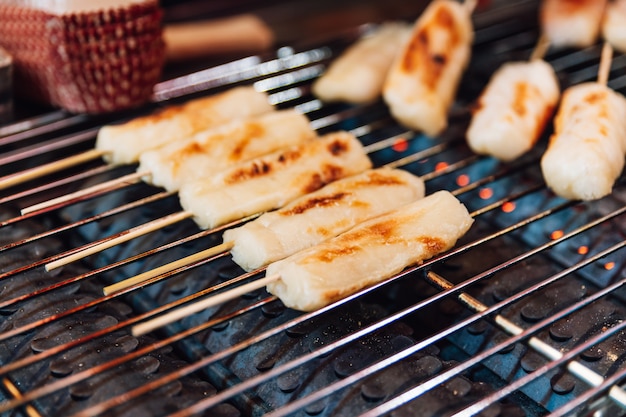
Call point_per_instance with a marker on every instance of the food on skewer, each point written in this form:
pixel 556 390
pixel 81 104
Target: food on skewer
pixel 571 23
pixel 122 144
pixel 513 110
pixel 586 152
pixel 613 24
pixel 365 255
pixel 252 187
pixel 357 75
pixel 320 215
pixel 207 152
pixel 423 80
pixel 273 180
pixel 369 253
pixel 306 221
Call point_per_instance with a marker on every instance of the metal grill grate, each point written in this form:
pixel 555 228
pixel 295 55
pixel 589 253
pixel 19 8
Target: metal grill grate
pixel 523 317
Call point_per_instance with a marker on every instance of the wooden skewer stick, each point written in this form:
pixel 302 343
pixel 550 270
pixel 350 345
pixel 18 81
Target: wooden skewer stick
pixel 605 63
pixel 541 48
pixel 15 392
pixel 172 316
pixel 470 5
pixel 124 237
pixel 145 276
pixel 107 185
pixel 45 169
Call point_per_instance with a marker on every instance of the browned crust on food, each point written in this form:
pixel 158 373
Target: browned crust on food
pixel 327 174
pixel 376 178
pixel 311 203
pixel 520 98
pixel 156 117
pixel 255 170
pixel 338 147
pixel 595 97
pixel 572 6
pixel 168 113
pixel 260 168
pixel 433 245
pixel 418 54
pixel 251 131
pixel 178 157
pixel 383 231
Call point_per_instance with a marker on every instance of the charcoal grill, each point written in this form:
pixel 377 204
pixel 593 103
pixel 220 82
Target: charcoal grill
pixel 524 317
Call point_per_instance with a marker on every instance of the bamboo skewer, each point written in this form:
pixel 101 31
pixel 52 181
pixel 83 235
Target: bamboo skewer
pixel 105 186
pixel 124 237
pixel 160 321
pixel 42 170
pixel 541 48
pixel 145 276
pixel 604 69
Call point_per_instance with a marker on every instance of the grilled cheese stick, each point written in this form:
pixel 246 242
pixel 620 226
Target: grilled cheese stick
pixel 423 80
pixel 273 180
pixel 358 75
pixel 586 152
pixel 613 24
pixel 321 215
pixel 513 110
pixel 571 23
pixel 369 253
pixel 207 152
pixel 124 143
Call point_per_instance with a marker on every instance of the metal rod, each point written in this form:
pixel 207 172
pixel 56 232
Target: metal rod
pixel 582 372
pixel 439 379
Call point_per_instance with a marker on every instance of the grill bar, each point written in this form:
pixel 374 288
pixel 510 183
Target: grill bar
pixel 424 387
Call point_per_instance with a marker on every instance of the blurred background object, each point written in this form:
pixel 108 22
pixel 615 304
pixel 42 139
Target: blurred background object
pixel 6 89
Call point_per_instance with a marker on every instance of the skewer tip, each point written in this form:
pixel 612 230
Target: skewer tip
pixel 606 58
pixel 168 318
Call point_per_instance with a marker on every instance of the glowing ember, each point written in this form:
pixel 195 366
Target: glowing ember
pixel 462 180
pixel 583 250
pixel 441 166
pixel 485 193
pixel 557 234
pixel 609 265
pixel 508 207
pixel 400 145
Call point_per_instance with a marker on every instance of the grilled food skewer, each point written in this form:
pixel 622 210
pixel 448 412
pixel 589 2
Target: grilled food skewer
pixel 305 221
pixel 362 256
pixel 42 170
pixel 514 108
pixel 122 144
pixel 571 24
pixel 422 81
pixel 358 74
pixel 586 152
pixel 257 185
pixel 206 152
